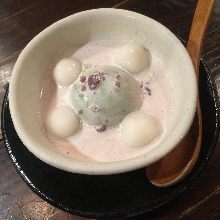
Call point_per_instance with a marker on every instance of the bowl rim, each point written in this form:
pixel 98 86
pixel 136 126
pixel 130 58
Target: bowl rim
pixel 91 167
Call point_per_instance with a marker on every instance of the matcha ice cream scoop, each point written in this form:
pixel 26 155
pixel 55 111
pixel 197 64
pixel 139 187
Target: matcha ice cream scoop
pixel 104 95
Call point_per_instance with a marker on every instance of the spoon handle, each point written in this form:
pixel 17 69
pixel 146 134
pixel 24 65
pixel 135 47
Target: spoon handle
pixel 196 37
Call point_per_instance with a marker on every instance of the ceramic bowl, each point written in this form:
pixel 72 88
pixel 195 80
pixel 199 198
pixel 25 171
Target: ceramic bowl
pixel 73 31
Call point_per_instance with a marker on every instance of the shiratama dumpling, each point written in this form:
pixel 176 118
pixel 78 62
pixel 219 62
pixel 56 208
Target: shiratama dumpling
pixel 139 129
pixel 133 58
pixel 67 71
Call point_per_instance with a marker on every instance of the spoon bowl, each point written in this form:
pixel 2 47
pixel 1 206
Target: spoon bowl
pixel 176 165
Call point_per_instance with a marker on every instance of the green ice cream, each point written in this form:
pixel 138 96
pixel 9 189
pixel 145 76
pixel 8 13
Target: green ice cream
pixel 104 95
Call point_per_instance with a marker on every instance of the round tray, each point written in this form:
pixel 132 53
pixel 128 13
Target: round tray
pixel 120 195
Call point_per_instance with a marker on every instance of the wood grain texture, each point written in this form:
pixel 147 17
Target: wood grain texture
pixel 21 20
pixel 196 38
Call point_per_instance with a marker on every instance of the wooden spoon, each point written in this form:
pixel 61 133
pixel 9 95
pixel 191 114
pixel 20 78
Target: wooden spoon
pixel 179 162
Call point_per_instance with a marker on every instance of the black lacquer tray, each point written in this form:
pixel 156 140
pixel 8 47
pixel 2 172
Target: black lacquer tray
pixel 120 195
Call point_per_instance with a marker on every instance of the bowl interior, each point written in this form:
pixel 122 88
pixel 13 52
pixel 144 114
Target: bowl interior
pixel 100 24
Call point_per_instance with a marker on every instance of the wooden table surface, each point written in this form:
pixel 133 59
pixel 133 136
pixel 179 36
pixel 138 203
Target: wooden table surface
pixel 21 20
